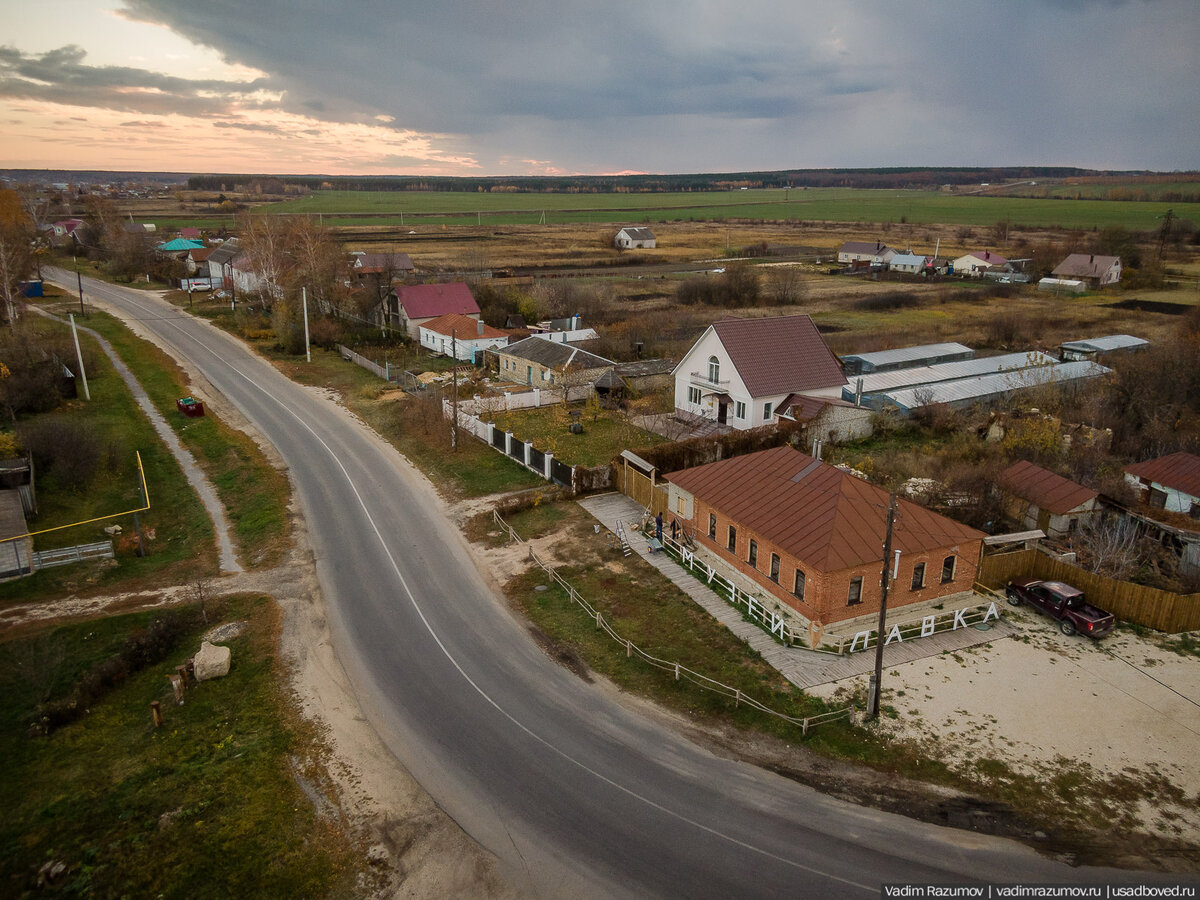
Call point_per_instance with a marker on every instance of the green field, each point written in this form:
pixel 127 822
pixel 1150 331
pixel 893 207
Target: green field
pixel 795 204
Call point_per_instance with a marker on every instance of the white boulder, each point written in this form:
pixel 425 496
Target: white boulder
pixel 211 662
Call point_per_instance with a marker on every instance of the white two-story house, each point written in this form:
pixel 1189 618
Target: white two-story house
pixel 741 372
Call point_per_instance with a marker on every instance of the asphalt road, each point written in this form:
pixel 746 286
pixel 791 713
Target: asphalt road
pixel 574 794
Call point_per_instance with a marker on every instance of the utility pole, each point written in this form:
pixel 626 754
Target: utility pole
pixel 454 395
pixel 79 357
pixel 876 679
pixel 304 300
pixel 79 280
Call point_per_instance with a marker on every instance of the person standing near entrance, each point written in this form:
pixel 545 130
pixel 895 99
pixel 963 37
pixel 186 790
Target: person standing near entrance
pixel 658 527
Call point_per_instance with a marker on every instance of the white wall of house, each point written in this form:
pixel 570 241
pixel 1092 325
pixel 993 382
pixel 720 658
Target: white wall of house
pixel 463 348
pixel 1174 501
pixel 694 384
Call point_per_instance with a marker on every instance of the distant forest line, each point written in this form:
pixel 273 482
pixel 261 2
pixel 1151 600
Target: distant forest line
pixel 887 177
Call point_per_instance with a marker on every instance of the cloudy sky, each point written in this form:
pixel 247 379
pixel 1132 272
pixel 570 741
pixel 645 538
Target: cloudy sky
pixel 489 87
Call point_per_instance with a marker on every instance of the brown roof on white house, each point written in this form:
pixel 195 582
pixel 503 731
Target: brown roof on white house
pixel 823 516
pixel 464 328
pixel 1047 490
pixel 1084 265
pixel 1178 471
pixel 779 355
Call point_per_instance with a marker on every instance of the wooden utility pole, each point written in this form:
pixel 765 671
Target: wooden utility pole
pixel 454 395
pixel 877 678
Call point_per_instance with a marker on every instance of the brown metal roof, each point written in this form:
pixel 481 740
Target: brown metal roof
pixel 1044 488
pixel 1085 265
pixel 779 355
pixel 823 516
pixel 462 327
pixel 1178 471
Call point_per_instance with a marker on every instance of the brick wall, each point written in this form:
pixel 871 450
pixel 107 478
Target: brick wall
pixel 826 593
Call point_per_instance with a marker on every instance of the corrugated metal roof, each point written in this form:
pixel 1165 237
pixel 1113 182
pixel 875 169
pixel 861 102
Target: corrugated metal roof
pixel 1085 265
pixel 1048 490
pixel 967 368
pixel 826 518
pixel 1106 343
pixel 638 234
pixel 462 327
pixel 1178 471
pixel 906 259
pixel 425 301
pixel 779 354
pixel 965 390
pixel 909 354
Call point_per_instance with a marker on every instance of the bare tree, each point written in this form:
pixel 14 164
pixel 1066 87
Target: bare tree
pixel 1108 545
pixel 265 242
pixel 785 285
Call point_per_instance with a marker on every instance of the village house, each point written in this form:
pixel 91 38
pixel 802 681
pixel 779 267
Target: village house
pixel 874 253
pixel 1038 498
pixel 1170 483
pixel 1170 487
pixel 413 305
pixel 740 371
pixel 812 536
pixel 460 336
pixel 544 364
pixel 976 264
pixel 908 263
pixel 1093 270
pixel 635 238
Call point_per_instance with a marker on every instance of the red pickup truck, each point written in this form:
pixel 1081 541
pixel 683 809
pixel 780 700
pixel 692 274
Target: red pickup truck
pixel 1062 602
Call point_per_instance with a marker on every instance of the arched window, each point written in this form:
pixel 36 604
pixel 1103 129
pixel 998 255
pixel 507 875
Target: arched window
pixel 714 370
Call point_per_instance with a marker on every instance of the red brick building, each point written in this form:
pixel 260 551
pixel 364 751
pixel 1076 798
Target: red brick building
pixel 812 535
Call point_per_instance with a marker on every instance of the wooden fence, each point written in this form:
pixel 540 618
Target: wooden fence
pixel 680 672
pixel 1160 610
pixel 637 486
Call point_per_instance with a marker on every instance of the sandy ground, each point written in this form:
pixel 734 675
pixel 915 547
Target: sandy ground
pixel 1125 706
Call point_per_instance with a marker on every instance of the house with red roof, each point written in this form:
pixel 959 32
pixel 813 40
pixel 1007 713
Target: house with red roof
pixel 1039 498
pixel 740 371
pixel 812 535
pixel 1170 483
pixel 460 336
pixel 413 305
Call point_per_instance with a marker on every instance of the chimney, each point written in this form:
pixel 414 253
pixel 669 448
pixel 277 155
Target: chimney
pixel 1093 259
pixel 479 329
pixel 858 393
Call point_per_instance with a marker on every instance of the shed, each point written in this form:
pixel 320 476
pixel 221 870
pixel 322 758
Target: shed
pixel 965 391
pixel 635 238
pixel 870 386
pixel 1038 498
pixel 904 357
pixel 1062 285
pixel 1094 347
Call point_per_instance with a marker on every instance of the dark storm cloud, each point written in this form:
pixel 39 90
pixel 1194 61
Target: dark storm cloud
pixel 712 85
pixel 63 76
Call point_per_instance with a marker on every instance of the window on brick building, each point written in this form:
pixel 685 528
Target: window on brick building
pixel 752 556
pixel 855 595
pixel 798 585
pixel 775 567
pixel 918 581
pixel 948 569
pixel 731 543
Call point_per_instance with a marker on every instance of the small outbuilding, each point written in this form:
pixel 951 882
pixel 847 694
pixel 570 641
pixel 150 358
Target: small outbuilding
pixel 1038 498
pixel 635 238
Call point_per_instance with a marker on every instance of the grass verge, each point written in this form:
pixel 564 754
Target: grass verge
pixel 178 534
pixel 255 494
pixel 207 805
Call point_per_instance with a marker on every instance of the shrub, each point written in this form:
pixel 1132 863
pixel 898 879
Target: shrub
pixel 70 449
